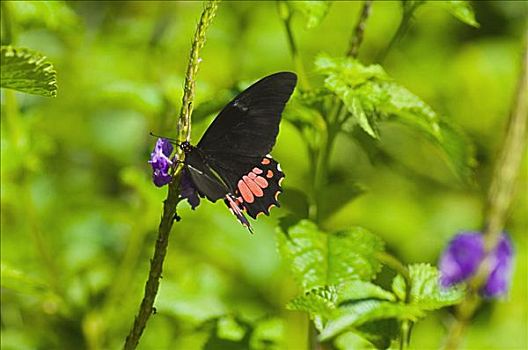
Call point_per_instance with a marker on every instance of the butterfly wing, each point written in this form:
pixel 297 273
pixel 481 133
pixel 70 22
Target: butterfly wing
pixel 236 145
pixel 249 124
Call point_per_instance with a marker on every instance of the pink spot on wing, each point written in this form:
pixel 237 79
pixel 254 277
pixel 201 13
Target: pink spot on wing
pixel 265 161
pixel 245 192
pixel 269 174
pixel 257 171
pixel 255 189
pixel 262 182
pixel 252 176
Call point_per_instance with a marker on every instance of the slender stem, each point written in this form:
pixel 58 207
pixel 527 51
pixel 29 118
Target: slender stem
pixel 408 11
pixel 184 123
pixel 169 205
pixel 357 37
pixel 500 196
pixel 286 16
pixel 7 24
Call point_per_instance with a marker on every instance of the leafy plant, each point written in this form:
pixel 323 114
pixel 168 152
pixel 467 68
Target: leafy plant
pixel 27 71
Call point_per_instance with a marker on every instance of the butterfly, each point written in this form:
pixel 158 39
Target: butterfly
pixel 232 161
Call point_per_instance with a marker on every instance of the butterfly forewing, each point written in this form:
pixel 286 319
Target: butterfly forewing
pixel 249 124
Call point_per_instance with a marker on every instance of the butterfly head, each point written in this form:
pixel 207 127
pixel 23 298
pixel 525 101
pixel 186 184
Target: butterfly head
pixel 186 146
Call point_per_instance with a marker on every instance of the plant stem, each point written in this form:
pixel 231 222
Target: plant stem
pixel 408 11
pixel 500 196
pixel 170 204
pixel 357 37
pixel 184 123
pixel 286 16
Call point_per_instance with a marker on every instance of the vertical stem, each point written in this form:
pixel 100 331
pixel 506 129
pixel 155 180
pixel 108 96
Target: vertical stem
pixel 6 23
pixel 500 196
pixel 184 123
pixel 357 37
pixel 286 16
pixel 408 11
pixel 169 205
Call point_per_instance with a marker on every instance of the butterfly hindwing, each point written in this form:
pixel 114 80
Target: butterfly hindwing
pixel 258 190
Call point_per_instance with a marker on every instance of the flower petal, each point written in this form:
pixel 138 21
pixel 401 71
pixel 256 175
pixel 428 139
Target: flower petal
pixel 461 258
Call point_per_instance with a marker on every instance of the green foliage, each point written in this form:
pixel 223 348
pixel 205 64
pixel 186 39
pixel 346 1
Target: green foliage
pixel 461 9
pixel 313 12
pixel 426 292
pixel 361 312
pixel 80 213
pixel 318 258
pixel 27 71
pixel 371 96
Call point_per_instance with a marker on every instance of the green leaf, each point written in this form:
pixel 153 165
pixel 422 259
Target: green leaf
pixel 462 10
pixel 355 290
pixel 313 11
pixel 17 280
pixel 317 258
pixel 365 311
pixel 229 328
pixel 371 97
pixel 268 334
pixel 426 292
pixel 320 301
pixel 27 71
pixel 399 287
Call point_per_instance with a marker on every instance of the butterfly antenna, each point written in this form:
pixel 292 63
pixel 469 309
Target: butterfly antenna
pixel 172 140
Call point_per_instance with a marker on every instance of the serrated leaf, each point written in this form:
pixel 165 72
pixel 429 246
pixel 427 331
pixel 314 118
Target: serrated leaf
pixel 317 258
pixel 462 10
pixel 370 97
pixel 320 301
pixel 313 11
pixel 27 71
pixel 426 292
pixel 365 311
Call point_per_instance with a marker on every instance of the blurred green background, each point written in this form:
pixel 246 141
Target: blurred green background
pixel 79 213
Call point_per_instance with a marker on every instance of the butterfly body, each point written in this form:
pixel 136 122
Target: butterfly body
pixel 232 161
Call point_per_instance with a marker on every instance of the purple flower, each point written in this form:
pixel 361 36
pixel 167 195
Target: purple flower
pixel 161 163
pixel 463 256
pixel 501 268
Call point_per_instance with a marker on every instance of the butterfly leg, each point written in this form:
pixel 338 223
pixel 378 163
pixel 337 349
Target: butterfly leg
pixel 235 206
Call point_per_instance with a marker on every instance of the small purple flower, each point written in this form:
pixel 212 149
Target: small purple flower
pixel 501 268
pixel 161 163
pixel 463 256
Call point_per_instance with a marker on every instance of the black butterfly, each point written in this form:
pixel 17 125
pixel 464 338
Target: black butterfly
pixel 232 161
